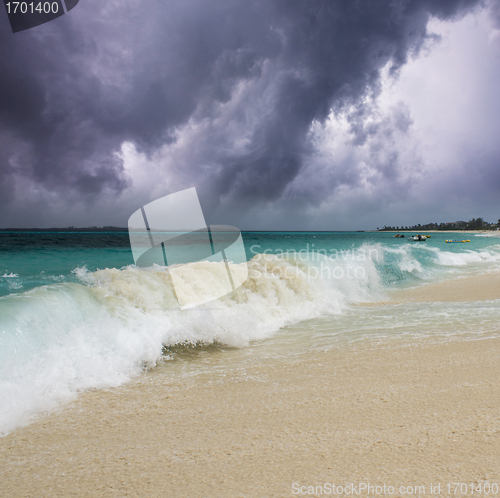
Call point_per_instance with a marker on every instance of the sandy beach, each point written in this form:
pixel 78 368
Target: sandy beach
pixel 416 413
pixel 474 288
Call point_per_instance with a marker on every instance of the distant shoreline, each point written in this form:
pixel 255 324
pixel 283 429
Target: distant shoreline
pixel 125 230
pixel 479 230
pixel 438 231
pixel 69 229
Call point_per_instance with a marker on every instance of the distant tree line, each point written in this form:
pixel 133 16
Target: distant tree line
pixel 473 224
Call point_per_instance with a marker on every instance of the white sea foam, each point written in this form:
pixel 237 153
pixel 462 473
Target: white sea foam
pixel 446 258
pixel 10 275
pixel 59 339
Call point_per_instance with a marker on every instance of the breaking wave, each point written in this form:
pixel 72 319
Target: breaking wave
pixel 59 339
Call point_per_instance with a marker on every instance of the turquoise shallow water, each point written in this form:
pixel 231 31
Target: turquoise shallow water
pixel 75 313
pixel 31 259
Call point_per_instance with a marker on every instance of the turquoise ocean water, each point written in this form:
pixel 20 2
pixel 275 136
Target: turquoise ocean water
pixel 76 314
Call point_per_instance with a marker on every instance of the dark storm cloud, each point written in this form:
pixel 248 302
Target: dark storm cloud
pixel 494 7
pixel 73 90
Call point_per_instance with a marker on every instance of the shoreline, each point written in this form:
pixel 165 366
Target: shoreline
pixel 405 411
pixel 471 288
pixel 441 231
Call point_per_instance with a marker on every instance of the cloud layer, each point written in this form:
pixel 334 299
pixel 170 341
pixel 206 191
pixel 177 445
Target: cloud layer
pixel 117 103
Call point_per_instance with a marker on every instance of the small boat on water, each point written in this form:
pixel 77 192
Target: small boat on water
pixel 456 241
pixel 419 238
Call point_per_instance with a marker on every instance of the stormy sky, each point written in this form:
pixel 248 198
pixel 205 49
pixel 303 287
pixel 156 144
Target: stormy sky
pixel 284 114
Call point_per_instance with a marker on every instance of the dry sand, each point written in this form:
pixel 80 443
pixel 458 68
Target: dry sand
pixel 398 413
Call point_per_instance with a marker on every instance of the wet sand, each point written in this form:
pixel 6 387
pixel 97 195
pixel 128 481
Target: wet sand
pixel 475 288
pixel 398 413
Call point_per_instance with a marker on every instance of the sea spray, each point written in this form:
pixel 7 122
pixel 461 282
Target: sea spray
pixel 57 340
pixel 94 328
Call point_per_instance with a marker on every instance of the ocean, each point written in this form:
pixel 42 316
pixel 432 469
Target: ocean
pixel 76 314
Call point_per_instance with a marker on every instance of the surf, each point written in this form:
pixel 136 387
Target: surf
pixel 99 328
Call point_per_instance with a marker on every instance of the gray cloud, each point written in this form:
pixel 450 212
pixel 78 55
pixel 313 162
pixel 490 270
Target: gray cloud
pixel 494 8
pixel 253 76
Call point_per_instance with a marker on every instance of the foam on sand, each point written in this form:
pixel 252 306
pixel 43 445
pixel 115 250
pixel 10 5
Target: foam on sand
pixel 59 339
pixel 401 414
pixel 63 338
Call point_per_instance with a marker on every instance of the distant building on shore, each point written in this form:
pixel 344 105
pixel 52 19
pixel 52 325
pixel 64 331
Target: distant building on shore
pixel 456 224
pixel 473 224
